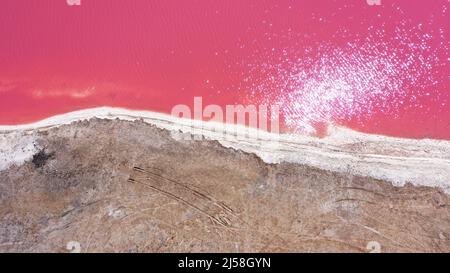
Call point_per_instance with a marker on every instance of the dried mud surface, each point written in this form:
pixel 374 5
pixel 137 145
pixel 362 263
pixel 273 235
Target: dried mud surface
pixel 120 186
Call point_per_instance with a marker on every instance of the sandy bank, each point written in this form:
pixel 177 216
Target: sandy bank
pixel 122 186
pixel 419 162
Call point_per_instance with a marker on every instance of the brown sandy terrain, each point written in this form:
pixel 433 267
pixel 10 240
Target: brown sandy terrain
pixel 121 186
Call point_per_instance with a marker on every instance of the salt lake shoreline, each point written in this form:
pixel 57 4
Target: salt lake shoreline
pixel 420 162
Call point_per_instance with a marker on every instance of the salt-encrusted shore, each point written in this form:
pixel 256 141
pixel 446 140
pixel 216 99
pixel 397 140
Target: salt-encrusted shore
pixel 422 162
pixel 81 183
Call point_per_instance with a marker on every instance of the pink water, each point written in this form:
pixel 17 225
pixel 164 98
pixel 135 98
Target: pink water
pixel 378 69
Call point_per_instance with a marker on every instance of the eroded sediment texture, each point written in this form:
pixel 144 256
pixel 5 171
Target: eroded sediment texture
pixel 421 162
pixel 112 185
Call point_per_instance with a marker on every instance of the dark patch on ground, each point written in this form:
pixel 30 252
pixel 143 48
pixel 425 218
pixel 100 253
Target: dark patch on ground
pixel 41 158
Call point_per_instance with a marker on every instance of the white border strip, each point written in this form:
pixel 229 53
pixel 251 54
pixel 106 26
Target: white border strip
pixel 423 162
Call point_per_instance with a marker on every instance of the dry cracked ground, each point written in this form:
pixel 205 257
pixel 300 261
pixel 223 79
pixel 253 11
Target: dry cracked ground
pixel 118 186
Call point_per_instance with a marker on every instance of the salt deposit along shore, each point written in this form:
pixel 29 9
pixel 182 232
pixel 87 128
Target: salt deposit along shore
pixel 423 162
pixel 114 180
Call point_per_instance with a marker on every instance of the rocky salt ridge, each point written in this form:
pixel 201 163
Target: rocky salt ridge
pixel 400 161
